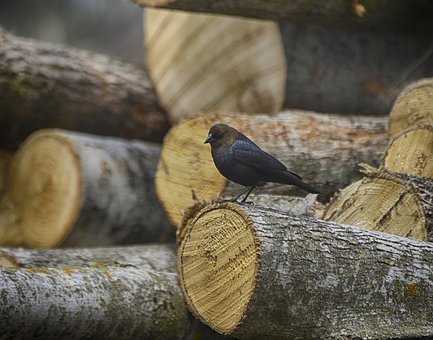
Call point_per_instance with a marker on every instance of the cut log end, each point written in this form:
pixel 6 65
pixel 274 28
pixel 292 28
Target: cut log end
pixel 259 273
pixel 45 190
pixel 411 152
pixel 383 204
pixel 196 177
pixel 412 107
pixel 220 253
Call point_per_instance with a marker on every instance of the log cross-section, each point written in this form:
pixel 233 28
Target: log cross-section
pixel 68 188
pixel 255 272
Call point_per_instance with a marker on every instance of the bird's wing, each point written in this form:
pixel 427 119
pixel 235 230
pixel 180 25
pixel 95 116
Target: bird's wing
pixel 248 153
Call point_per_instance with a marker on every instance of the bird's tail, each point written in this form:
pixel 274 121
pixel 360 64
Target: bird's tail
pixel 292 179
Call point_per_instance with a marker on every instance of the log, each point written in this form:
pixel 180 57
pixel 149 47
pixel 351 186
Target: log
pixel 323 149
pixel 69 189
pixel 388 202
pixel 377 14
pixel 414 106
pixel 202 63
pixel 206 63
pixel 343 71
pixel 252 272
pixel 410 152
pixel 298 206
pixel 395 198
pixel 99 293
pixel 47 86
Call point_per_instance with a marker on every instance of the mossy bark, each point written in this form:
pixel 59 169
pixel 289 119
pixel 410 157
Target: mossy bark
pixel 47 86
pixel 303 278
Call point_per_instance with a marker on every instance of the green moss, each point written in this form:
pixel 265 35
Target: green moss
pixel 18 85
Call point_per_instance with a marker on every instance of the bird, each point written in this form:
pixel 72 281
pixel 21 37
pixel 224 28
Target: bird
pixel 241 161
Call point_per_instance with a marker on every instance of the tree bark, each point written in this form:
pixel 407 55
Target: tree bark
pixel 298 206
pixel 335 70
pixel 45 86
pixel 256 272
pixel 72 189
pixel 106 293
pixel 323 149
pixel 414 106
pixel 377 14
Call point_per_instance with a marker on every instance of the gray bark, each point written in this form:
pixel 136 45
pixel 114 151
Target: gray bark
pixel 400 15
pixel 118 293
pixel 45 86
pixel 322 280
pixel 334 70
pixel 119 203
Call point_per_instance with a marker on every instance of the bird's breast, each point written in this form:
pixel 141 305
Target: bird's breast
pixel 233 170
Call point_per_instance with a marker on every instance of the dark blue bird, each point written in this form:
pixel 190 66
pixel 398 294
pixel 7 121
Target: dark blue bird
pixel 240 160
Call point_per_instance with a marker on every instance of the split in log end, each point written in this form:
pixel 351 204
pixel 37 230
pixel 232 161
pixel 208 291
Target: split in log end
pixel 43 196
pixel 209 258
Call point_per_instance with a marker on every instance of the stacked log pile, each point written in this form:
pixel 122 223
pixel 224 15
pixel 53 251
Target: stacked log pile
pixel 82 167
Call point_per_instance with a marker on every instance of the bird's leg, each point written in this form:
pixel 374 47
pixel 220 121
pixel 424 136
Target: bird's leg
pixel 248 193
pixel 238 196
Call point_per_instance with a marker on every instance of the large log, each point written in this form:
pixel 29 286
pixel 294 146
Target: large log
pixel 323 149
pixel 67 188
pixel 384 14
pixel 106 293
pixel 203 63
pixel 256 272
pixel 46 86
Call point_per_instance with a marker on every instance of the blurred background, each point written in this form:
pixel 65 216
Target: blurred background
pixel 112 27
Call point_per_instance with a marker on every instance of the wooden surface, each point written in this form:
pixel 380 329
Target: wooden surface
pixel 255 272
pixel 204 63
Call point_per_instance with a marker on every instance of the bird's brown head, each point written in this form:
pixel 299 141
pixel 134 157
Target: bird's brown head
pixel 220 134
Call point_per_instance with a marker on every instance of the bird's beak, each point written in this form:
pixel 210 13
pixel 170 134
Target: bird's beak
pixel 208 139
